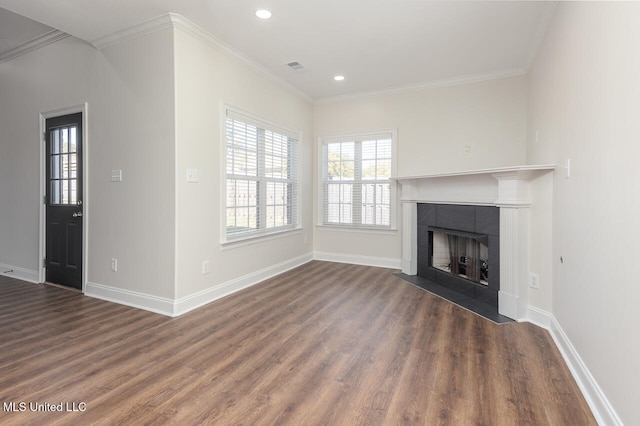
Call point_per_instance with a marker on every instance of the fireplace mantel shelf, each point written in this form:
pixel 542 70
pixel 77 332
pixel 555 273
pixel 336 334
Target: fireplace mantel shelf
pixel 525 171
pixel 508 188
pixel 492 187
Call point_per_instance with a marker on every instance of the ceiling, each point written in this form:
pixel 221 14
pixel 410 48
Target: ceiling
pixel 16 30
pixel 378 45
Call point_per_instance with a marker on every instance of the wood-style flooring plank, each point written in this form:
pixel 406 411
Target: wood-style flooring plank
pixel 322 344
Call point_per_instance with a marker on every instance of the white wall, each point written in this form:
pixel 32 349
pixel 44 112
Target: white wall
pixel 130 127
pixel 207 76
pixel 29 86
pixel 584 101
pixel 434 125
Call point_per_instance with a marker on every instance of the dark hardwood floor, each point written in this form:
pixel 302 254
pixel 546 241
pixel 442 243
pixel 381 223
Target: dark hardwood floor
pixel 323 344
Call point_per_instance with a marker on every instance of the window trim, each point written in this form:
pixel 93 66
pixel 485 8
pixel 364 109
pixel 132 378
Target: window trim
pixel 351 137
pixel 229 241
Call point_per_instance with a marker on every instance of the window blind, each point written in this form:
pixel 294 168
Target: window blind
pixel 261 178
pixel 356 186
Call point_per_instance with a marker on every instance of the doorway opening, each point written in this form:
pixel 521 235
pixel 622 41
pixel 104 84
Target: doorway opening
pixel 63 200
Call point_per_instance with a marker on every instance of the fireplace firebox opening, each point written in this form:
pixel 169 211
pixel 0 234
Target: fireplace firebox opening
pixel 459 248
pixel 461 255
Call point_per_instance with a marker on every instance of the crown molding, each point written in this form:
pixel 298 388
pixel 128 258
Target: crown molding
pixel 36 43
pixel 153 25
pixel 176 21
pixel 456 81
pixel 209 39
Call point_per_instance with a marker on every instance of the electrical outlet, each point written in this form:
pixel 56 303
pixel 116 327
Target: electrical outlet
pixel 534 280
pixel 467 150
pixel 114 264
pixel 205 267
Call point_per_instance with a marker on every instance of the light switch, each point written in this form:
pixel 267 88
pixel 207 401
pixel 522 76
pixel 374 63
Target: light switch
pixel 192 175
pixel 116 175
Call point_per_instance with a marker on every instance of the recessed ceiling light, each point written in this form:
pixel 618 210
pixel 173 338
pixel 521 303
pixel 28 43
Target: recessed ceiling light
pixel 263 14
pixel 338 77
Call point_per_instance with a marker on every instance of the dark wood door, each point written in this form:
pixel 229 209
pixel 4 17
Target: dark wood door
pixel 64 212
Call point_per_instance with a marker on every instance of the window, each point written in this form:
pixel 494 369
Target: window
pixel 63 157
pixel 261 178
pixel 356 186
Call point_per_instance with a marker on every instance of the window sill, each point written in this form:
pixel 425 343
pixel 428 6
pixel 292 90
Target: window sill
pixel 356 229
pixel 256 239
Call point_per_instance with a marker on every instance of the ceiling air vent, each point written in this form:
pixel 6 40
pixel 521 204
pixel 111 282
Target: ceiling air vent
pixel 295 66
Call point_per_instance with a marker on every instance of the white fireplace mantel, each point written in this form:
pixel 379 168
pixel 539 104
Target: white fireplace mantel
pixel 507 188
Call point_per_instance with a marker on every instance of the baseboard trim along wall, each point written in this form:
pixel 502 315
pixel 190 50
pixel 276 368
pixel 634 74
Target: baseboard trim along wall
pixel 148 302
pixel 597 400
pixel 380 262
pixel 173 308
pixel 196 300
pixel 19 273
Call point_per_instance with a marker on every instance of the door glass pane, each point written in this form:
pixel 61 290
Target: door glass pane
pixel 65 191
pixel 73 191
pixel 65 166
pixel 65 140
pixel 55 192
pixel 55 141
pixel 72 139
pixel 73 165
pixel 55 167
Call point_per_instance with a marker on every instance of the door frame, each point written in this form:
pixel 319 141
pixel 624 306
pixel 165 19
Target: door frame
pixel 82 108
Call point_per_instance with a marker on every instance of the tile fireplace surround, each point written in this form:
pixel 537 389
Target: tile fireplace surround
pixel 507 188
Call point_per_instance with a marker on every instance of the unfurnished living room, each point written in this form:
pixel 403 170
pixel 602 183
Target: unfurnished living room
pixel 319 212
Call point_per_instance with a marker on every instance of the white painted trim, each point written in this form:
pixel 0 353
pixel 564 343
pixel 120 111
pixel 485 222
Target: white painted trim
pixel 174 20
pixel 381 262
pixel 323 140
pixel 148 302
pixel 206 37
pixel 258 239
pixel 263 234
pixel 595 397
pixel 356 230
pixel 507 303
pixel 539 317
pixel 84 109
pixel 455 81
pixel 174 308
pixel 16 272
pixel 151 26
pixel 30 46
pixel 201 298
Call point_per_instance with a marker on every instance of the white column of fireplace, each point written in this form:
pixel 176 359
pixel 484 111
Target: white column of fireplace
pixel 507 188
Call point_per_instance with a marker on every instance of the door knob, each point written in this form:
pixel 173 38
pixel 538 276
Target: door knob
pixel 77 214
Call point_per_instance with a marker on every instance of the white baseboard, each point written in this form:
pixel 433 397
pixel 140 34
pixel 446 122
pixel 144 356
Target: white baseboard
pixel 193 301
pixel 19 273
pixel 381 262
pixel 596 399
pixel 508 305
pixel 174 308
pixel 539 317
pixel 148 302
